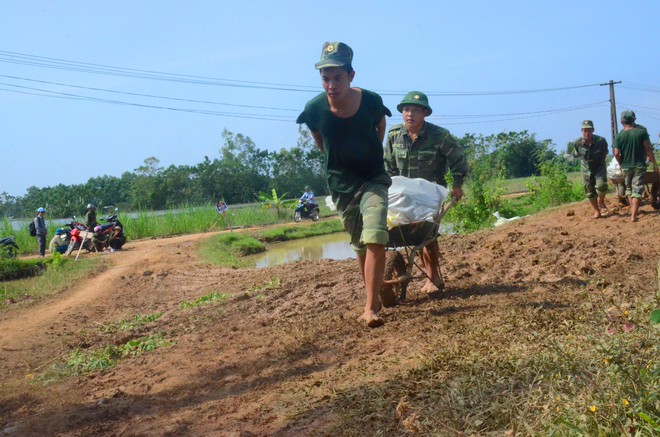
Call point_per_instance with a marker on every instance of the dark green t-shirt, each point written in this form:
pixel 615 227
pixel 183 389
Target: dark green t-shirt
pixel 352 148
pixel 631 144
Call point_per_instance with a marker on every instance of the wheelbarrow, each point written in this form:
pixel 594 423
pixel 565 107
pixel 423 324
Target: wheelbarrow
pixel 406 241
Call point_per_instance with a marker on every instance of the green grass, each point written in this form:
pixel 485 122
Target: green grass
pixel 285 233
pixel 131 323
pixel 519 185
pixel 206 299
pixel 17 269
pixel 228 249
pixel 54 280
pixel 202 219
pixel 81 362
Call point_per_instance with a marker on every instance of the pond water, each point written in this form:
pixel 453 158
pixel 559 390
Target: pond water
pixel 332 246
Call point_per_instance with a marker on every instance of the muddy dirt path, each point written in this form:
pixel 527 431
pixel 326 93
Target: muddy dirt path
pixel 275 353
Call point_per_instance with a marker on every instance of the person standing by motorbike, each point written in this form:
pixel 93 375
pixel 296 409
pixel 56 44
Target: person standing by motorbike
pixel 90 217
pixel 308 199
pixel 40 226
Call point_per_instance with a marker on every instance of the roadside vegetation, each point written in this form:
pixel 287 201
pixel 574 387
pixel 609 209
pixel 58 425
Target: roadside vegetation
pixel 41 278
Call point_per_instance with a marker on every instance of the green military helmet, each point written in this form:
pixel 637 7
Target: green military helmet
pixel 416 98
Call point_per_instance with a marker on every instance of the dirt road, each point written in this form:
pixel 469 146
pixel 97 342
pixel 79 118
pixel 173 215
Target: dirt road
pixel 272 358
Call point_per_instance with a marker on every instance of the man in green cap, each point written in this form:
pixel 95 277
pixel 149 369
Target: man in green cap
pixel 348 125
pixel 419 149
pixel 592 151
pixel 632 148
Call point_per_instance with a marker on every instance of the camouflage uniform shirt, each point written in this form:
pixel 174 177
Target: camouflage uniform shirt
pixel 426 157
pixel 592 157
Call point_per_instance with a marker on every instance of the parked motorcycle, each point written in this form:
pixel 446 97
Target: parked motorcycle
pixel 8 247
pixel 306 210
pixel 109 235
pixel 76 235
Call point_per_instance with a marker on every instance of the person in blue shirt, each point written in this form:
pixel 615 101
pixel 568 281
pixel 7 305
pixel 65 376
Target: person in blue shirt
pixel 308 198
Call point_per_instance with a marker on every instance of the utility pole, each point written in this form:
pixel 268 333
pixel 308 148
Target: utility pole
pixel 613 119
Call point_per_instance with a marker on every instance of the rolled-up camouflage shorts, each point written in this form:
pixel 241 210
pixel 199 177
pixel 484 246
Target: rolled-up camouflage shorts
pixel 365 218
pixel 634 178
pixel 594 183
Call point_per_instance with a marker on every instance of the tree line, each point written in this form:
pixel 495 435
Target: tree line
pixel 242 171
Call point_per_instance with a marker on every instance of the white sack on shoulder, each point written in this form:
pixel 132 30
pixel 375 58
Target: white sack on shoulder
pixel 414 200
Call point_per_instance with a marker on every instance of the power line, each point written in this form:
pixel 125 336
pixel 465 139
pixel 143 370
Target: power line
pixel 86 67
pixel 531 114
pixel 56 94
pixel 147 95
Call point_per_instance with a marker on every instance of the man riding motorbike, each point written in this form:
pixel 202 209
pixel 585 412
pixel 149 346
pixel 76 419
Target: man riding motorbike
pixel 308 199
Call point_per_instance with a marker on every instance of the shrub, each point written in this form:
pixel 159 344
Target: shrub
pixel 553 188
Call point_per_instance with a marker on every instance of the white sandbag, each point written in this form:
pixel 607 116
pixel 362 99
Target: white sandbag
pixel 330 204
pixel 414 200
pixel 614 170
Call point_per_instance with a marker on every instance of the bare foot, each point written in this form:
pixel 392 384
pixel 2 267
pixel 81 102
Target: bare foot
pixel 372 319
pixel 633 219
pixel 433 286
pixel 596 215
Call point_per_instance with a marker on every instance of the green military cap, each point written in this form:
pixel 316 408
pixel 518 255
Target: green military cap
pixel 628 116
pixel 335 54
pixel 587 124
pixel 415 98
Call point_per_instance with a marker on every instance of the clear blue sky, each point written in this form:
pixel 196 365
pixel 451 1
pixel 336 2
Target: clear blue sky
pixel 55 129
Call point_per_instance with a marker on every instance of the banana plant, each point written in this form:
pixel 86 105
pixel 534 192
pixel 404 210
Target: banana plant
pixel 274 201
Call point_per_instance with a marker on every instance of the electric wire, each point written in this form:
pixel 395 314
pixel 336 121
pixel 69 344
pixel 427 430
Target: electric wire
pixel 63 64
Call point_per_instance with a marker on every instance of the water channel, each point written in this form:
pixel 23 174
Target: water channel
pixel 332 246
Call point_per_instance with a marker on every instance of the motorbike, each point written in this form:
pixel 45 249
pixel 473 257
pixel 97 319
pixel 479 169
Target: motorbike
pixel 306 210
pixel 8 247
pixel 110 235
pixel 76 235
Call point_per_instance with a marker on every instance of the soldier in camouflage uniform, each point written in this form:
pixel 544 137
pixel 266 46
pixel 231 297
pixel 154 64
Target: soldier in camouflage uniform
pixel 418 149
pixel 592 151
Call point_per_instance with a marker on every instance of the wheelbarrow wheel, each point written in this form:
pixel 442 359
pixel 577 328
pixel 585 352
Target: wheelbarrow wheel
pixel 395 266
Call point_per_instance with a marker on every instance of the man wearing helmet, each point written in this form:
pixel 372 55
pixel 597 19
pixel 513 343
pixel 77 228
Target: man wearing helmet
pixel 98 239
pixel 40 226
pixel 419 149
pixel 90 217
pixel 58 243
pixel 308 198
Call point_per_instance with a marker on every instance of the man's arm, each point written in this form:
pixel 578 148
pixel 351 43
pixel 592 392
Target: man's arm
pixel 380 129
pixel 388 156
pixel 318 138
pixel 617 156
pixel 648 148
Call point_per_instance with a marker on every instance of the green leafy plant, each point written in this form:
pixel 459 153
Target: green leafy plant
pixel 274 201
pixel 553 188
